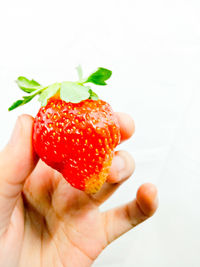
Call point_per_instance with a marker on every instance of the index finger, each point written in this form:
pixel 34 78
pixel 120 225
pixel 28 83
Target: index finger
pixel 127 126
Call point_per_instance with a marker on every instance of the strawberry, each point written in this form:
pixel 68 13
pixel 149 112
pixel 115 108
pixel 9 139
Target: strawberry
pixel 74 131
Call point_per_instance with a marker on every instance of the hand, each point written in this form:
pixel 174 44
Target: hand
pixel 46 222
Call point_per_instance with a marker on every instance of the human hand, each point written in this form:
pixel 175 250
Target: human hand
pixel 46 222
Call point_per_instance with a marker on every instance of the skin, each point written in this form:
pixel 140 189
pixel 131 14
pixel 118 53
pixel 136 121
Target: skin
pixel 46 222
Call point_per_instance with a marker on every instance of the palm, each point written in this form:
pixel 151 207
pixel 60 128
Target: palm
pixel 64 223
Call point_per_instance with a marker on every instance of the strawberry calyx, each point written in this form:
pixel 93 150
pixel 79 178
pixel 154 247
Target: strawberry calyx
pixel 73 92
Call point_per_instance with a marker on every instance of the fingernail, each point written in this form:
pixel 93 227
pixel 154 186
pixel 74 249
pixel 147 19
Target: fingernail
pixel 16 133
pixel 120 166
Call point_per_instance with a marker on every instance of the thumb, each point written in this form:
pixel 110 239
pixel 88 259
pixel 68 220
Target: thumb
pixel 17 160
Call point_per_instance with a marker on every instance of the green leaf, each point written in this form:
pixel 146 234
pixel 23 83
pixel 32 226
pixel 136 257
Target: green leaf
pixel 93 95
pixel 73 92
pixel 27 85
pixel 21 102
pixel 16 104
pixel 99 77
pixel 48 93
pixel 28 98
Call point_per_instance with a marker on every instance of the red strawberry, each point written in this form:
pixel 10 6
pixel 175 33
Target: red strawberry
pixel 74 132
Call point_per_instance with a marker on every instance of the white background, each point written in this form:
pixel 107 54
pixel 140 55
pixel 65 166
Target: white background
pixel 153 49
